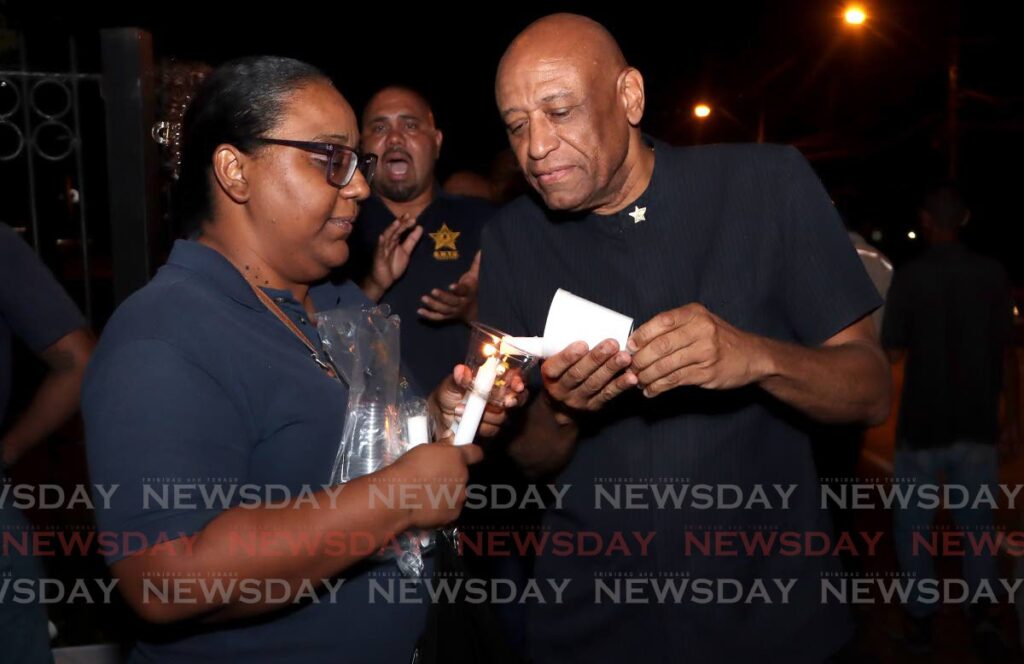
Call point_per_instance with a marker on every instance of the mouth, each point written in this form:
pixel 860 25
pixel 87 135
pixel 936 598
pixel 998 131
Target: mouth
pixel 396 165
pixel 551 175
pixel 343 224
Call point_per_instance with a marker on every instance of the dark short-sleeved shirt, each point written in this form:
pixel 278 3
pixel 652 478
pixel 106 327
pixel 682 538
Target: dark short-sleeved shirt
pixel 749 232
pixel 195 383
pixel 451 237
pixel 33 306
pixel 952 311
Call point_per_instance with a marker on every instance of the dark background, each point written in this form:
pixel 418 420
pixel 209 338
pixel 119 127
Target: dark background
pixel 867 106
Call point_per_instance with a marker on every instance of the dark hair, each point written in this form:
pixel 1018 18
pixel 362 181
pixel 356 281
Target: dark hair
pixel 238 102
pixel 945 206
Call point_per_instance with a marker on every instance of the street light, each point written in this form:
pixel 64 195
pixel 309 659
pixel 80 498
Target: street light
pixel 702 111
pixel 855 15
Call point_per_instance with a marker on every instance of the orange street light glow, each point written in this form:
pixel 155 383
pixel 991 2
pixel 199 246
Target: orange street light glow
pixel 855 15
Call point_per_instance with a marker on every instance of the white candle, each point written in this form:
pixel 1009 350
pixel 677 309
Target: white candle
pixel 477 402
pixel 416 427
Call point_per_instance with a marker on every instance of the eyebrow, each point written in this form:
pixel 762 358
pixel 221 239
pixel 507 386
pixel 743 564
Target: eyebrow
pixel 328 138
pixel 547 99
pixel 401 116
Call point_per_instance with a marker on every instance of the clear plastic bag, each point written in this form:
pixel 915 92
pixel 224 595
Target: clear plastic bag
pixel 363 344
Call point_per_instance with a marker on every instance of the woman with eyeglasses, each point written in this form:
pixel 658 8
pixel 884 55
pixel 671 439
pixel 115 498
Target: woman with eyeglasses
pixel 211 407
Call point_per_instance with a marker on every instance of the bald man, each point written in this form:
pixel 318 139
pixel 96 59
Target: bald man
pixel 752 318
pixel 414 246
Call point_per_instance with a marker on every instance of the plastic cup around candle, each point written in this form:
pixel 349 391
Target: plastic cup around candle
pixel 486 342
pixel 495 366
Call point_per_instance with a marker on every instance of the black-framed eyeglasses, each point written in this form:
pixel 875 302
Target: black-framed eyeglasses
pixel 342 161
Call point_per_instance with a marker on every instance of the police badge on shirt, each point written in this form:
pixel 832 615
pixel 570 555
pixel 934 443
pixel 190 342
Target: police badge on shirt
pixel 444 243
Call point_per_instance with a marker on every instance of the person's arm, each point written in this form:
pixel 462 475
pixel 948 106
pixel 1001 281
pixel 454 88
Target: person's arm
pixel 153 412
pixel 57 398
pixel 358 515
pixel 42 315
pixel 547 440
pixel 846 379
pixel 833 370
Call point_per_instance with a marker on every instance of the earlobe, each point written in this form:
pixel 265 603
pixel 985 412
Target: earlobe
pixel 229 169
pixel 631 92
pixel 438 138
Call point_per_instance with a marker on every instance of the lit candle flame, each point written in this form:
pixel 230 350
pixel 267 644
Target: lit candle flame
pixel 489 350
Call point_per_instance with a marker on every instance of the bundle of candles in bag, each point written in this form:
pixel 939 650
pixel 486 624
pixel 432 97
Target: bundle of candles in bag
pixel 382 422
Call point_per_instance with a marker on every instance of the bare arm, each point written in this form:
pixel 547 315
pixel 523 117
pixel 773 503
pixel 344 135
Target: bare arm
pixel 301 543
pixel 845 379
pixel 57 398
pixel 547 441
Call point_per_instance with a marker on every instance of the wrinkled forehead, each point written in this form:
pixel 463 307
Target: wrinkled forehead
pixel 545 78
pixel 397 102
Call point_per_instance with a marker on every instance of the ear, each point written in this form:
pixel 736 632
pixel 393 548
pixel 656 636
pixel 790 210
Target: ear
pixel 229 169
pixel 631 94
pixel 438 138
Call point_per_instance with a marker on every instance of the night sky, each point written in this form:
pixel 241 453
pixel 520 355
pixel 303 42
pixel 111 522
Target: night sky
pixel 867 107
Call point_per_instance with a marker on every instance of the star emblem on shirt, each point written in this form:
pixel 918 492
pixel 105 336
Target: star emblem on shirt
pixel 445 238
pixel 638 214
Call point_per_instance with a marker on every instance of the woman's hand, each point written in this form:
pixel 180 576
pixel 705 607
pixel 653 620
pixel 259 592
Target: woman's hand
pixel 446 402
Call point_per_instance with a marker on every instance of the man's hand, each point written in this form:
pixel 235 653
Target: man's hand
pixel 692 346
pixel 391 257
pixel 576 379
pixel 458 302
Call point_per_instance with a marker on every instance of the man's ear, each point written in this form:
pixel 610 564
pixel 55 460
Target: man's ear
pixel 438 139
pixel 631 94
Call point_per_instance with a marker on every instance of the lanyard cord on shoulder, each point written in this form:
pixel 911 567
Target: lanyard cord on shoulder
pixel 276 310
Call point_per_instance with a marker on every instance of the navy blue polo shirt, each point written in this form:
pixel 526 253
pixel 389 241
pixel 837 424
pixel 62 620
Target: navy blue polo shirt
pixel 33 306
pixel 195 382
pixel 749 232
pixel 451 238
